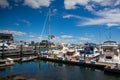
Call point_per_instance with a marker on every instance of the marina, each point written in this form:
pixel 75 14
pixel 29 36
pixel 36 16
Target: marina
pixel 89 55
pixel 59 40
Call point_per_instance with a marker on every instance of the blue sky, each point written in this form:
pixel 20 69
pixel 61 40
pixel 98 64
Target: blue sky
pixel 71 21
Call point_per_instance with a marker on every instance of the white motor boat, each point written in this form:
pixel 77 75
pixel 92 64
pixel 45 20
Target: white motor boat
pixel 6 62
pixel 110 52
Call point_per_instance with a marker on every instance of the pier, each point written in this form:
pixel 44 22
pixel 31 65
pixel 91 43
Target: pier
pixel 27 52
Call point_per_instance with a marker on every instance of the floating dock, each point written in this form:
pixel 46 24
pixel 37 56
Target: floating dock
pixel 96 65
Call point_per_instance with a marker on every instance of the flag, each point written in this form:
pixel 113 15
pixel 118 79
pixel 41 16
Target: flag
pixel 52 36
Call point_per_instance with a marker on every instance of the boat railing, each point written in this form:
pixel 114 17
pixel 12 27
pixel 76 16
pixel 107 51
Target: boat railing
pixel 109 52
pixel 109 44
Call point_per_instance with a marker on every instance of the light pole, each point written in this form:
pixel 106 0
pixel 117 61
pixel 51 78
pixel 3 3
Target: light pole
pixel 3 51
pixel 21 50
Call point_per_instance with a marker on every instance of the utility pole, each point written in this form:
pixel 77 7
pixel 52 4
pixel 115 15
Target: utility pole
pixel 21 50
pixel 3 51
pixel 35 50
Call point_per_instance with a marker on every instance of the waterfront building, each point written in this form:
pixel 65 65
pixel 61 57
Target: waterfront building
pixel 6 37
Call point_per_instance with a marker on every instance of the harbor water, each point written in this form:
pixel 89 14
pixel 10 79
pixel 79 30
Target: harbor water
pixel 44 70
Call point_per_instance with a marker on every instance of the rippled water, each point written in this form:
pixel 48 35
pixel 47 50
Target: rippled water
pixel 42 70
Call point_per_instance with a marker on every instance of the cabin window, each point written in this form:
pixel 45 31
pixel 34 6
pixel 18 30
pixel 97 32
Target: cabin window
pixel 91 48
pixel 96 51
pixel 108 57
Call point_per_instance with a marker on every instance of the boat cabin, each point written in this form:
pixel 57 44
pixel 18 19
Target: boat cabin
pixel 110 51
pixel 90 50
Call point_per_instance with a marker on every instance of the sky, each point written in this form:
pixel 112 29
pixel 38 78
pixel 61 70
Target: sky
pixel 71 21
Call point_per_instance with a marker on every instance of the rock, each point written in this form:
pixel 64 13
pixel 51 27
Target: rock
pixel 2 78
pixel 11 76
pixel 31 79
pixel 19 78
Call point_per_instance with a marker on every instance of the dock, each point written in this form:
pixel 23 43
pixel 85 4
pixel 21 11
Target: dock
pixel 98 65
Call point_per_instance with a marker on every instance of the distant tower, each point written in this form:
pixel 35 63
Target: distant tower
pixel 32 43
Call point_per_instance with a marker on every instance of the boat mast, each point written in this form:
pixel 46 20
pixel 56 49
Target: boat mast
pixel 49 27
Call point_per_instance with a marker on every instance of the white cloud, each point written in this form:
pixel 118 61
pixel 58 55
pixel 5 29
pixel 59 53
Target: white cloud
pixel 117 3
pixel 84 39
pixel 67 16
pixel 37 3
pixel 17 24
pixel 89 7
pixel 17 2
pixel 36 38
pixel 112 24
pixel 109 17
pixel 15 33
pixel 31 36
pixel 65 40
pixel 71 4
pixel 70 16
pixel 54 12
pixel 66 36
pixel 105 12
pixel 26 22
pixel 103 2
pixel 4 3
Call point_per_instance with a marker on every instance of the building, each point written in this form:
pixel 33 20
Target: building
pixel 6 37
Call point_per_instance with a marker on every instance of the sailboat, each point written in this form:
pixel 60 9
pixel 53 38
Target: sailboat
pixel 47 43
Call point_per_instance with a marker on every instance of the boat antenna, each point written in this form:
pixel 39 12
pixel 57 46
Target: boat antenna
pixel 100 35
pixel 110 33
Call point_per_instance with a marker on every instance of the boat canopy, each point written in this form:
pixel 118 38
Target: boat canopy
pixel 110 42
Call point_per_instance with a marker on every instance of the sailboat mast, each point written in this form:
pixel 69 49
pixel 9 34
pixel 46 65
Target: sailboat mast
pixel 49 45
pixel 49 24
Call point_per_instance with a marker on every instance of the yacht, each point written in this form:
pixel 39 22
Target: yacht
pixel 110 52
pixel 6 62
pixel 5 47
pixel 27 59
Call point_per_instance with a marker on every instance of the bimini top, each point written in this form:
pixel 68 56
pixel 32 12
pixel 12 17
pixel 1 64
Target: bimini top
pixel 110 43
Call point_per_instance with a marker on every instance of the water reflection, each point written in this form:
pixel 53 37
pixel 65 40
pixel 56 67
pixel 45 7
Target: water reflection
pixel 44 70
